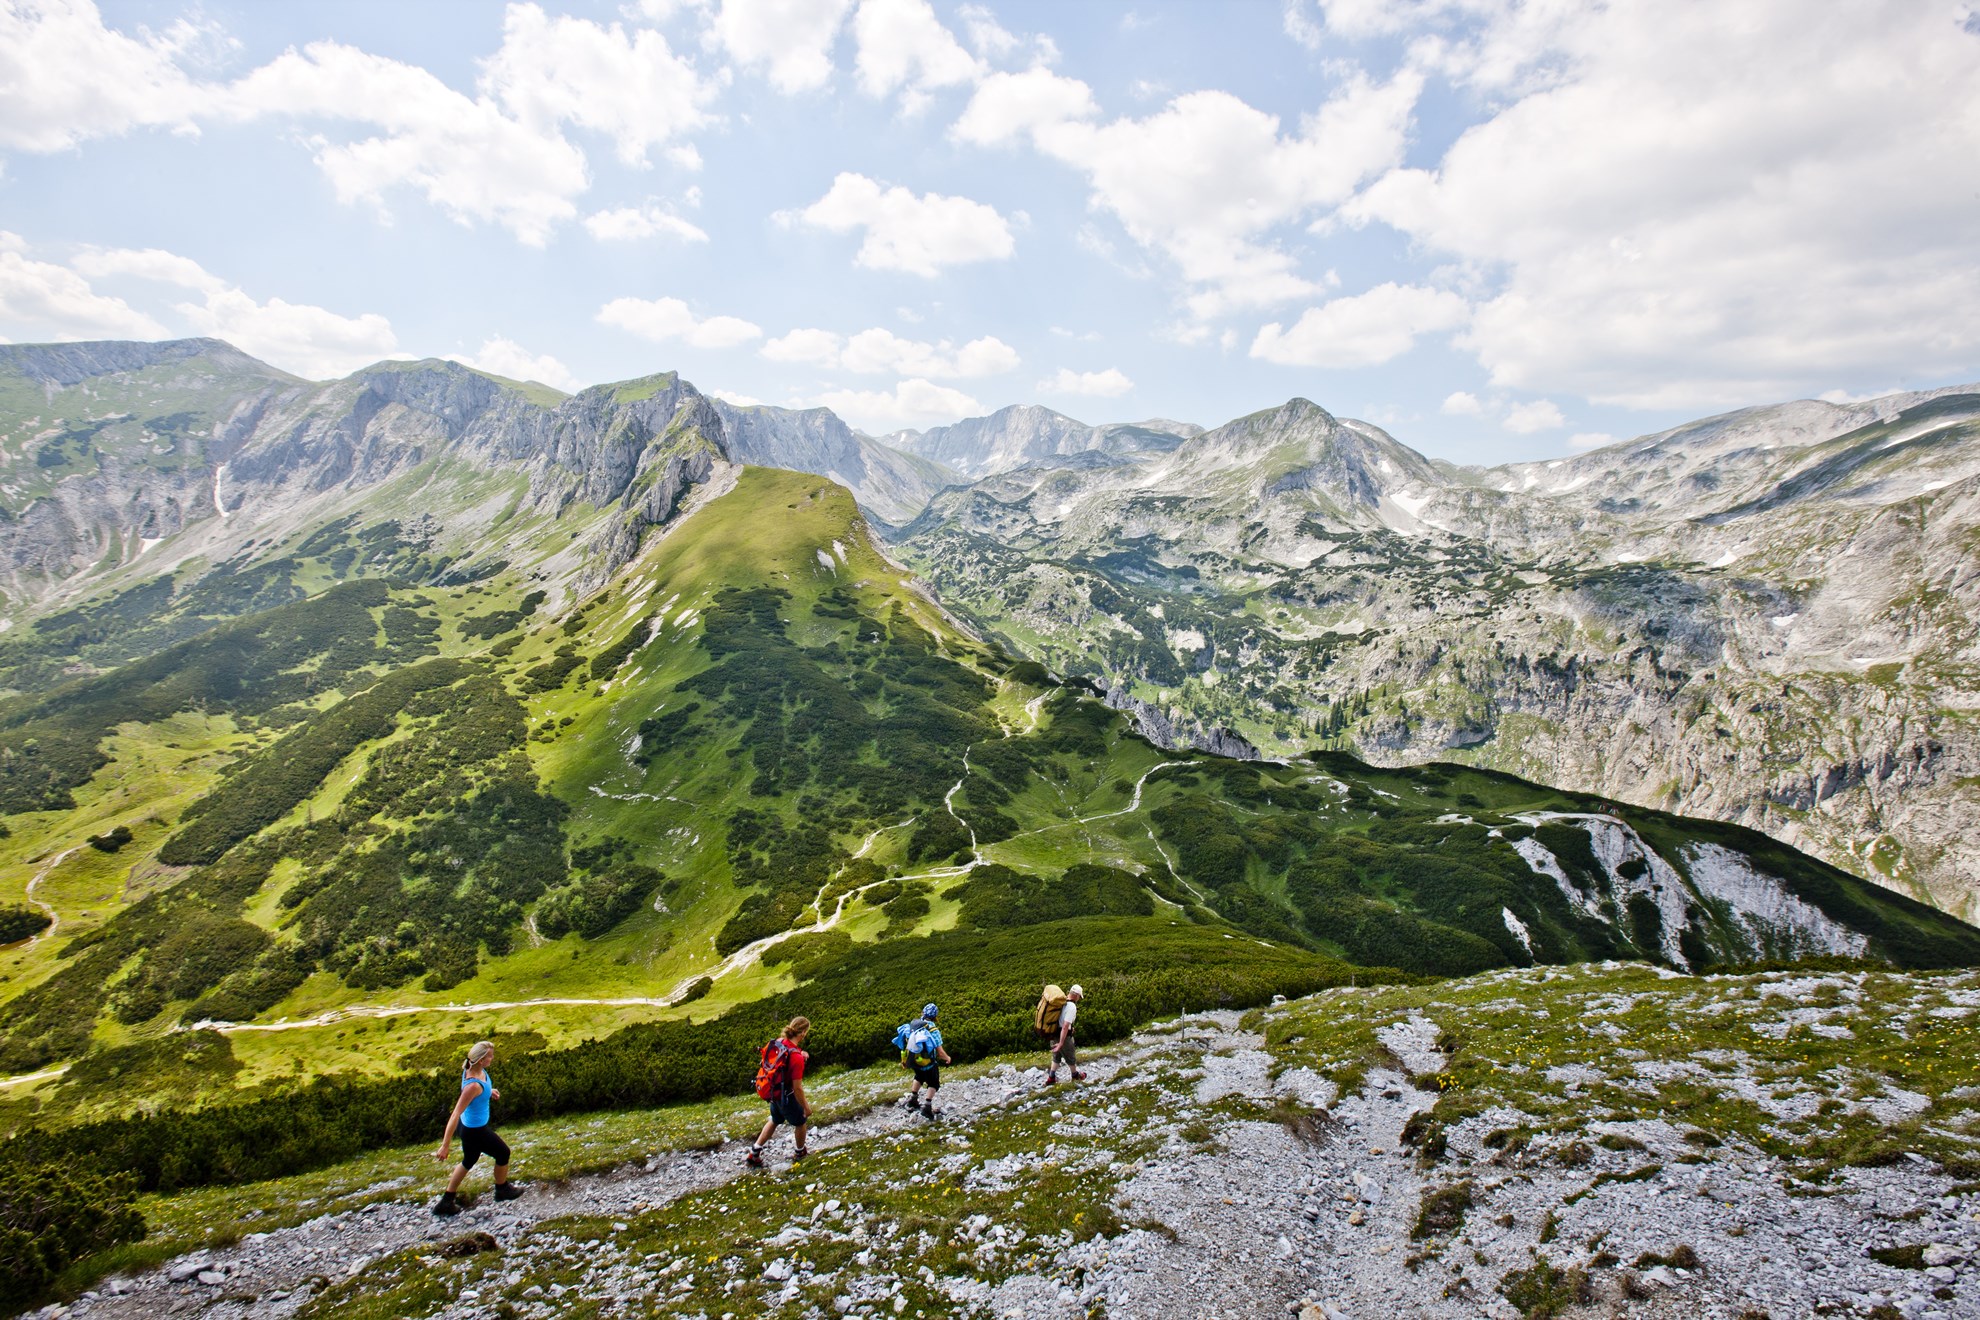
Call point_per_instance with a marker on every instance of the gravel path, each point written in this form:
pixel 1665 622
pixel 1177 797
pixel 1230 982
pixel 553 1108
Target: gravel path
pixel 1268 1196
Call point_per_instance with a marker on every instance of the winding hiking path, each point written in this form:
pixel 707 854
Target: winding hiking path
pixel 1231 1189
pixel 54 917
pixel 330 1017
pixel 273 1274
pixel 26 1079
pixel 1215 1222
pixel 949 802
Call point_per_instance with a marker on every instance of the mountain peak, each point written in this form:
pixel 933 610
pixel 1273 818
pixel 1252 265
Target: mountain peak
pixel 71 363
pixel 1293 412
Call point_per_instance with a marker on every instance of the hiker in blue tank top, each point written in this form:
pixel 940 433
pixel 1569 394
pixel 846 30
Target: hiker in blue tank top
pixel 478 1137
pixel 920 1044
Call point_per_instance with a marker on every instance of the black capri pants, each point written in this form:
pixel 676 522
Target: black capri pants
pixel 479 1141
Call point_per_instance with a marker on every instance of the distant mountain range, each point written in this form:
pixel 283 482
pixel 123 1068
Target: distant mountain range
pixel 1026 433
pixel 1767 617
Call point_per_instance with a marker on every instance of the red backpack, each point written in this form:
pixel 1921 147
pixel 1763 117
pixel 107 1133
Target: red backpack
pixel 773 1066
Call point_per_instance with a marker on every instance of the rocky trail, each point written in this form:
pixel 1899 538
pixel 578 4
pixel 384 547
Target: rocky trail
pixel 1199 1172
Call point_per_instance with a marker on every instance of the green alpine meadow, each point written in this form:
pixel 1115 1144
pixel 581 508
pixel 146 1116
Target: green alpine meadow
pixel 619 752
pixel 974 660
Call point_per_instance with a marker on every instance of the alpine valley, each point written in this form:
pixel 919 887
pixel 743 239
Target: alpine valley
pixel 345 722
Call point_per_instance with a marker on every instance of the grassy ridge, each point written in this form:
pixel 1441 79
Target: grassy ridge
pixel 759 733
pixel 761 727
pixel 1134 970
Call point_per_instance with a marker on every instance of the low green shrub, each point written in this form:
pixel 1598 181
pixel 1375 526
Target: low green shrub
pixel 1134 969
pixel 19 921
pixel 55 1212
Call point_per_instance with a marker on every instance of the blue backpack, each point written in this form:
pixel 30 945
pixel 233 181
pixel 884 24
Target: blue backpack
pixel 917 1043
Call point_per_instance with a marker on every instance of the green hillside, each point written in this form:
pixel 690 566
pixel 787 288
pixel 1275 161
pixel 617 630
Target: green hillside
pixel 365 824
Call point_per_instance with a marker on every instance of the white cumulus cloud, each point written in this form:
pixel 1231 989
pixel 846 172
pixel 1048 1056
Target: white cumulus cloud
pixel 65 77
pixel 311 341
pixel 1462 404
pixel 817 347
pixel 1108 384
pixel 903 46
pixel 790 40
pixel 626 84
pixel 916 234
pixel 41 300
pixel 1363 330
pixel 499 156
pixel 1539 415
pixel 1006 107
pixel 912 403
pixel 147 264
pixel 466 155
pixel 663 319
pixel 879 351
pixel 628 223
pixel 500 356
pixel 59 302
pixel 987 36
pixel 1303 27
pixel 1688 206
pixel 1206 180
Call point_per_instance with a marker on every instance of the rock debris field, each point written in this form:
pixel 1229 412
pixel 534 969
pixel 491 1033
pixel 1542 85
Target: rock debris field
pixel 1599 1141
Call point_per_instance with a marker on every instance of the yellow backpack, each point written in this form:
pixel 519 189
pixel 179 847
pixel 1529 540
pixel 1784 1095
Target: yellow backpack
pixel 1050 1005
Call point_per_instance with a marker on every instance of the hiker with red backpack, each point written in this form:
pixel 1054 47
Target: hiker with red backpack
pixel 780 1080
pixel 1054 1021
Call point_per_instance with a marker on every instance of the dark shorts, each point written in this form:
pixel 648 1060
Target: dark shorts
pixel 786 1109
pixel 479 1141
pixel 930 1077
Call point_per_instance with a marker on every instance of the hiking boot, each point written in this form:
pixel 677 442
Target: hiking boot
pixel 912 1102
pixel 447 1206
pixel 928 1109
pixel 1051 1079
pixel 1078 1076
pixel 802 1151
pixel 507 1191
pixel 754 1159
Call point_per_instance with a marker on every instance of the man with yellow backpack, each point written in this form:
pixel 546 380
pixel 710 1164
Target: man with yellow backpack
pixel 1057 1010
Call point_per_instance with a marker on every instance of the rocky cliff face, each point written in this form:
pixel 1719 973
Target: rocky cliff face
pixel 1766 617
pixel 123 446
pixel 890 484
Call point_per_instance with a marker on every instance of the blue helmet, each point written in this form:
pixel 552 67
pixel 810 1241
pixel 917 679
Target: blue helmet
pixel 928 1011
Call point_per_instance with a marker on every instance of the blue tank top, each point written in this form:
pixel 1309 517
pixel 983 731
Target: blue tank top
pixel 476 1114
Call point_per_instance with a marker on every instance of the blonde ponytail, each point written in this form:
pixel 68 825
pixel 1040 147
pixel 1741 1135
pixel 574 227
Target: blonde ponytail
pixel 478 1055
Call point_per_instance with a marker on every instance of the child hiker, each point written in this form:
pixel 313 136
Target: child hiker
pixel 780 1080
pixel 920 1044
pixel 478 1137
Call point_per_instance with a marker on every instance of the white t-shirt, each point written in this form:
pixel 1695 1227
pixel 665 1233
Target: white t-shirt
pixel 1068 1013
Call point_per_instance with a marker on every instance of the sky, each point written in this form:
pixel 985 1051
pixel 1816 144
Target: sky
pixel 1501 229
